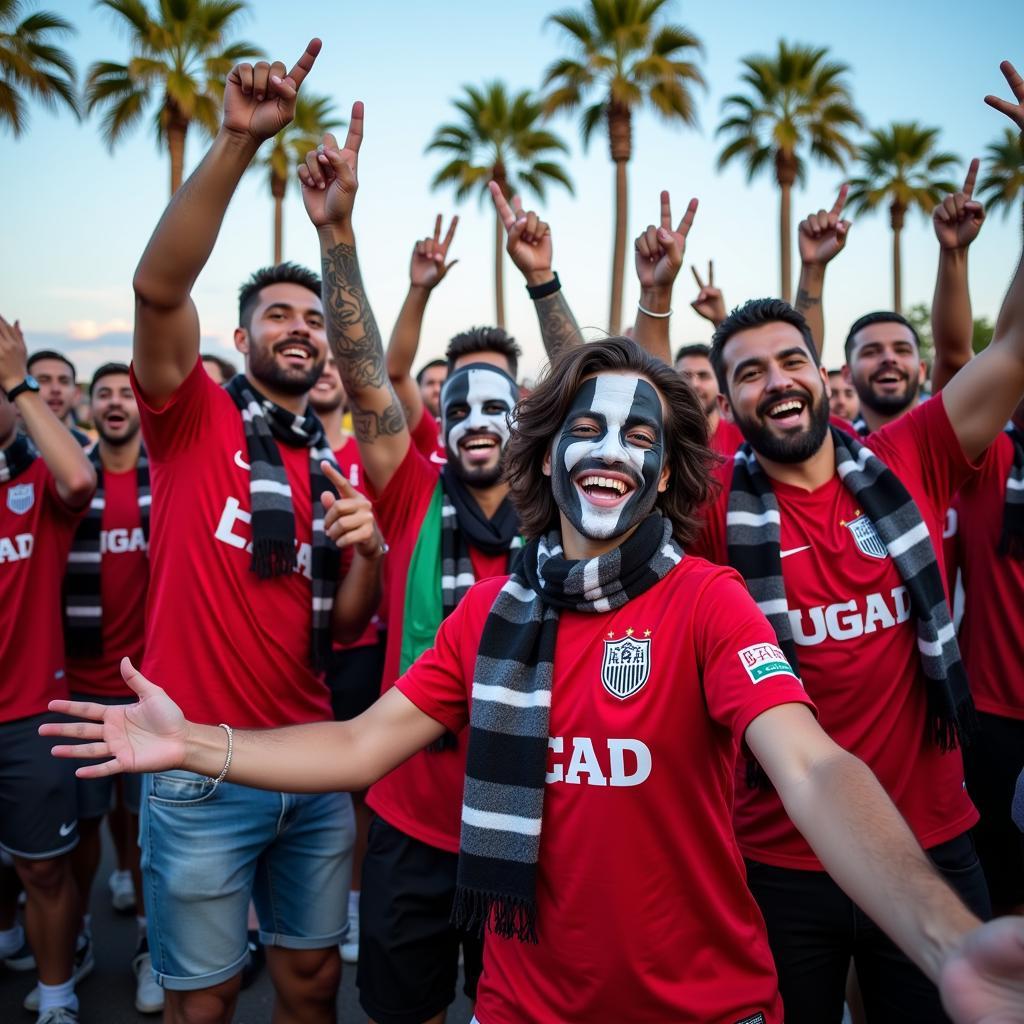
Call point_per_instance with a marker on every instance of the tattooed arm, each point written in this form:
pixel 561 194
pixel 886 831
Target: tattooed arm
pixel 529 245
pixel 821 238
pixel 329 187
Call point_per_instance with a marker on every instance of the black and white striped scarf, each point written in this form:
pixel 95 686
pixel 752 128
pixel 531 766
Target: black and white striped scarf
pixel 860 425
pixel 1011 543
pixel 753 531
pixel 511 701
pixel 270 495
pixel 83 607
pixel 16 458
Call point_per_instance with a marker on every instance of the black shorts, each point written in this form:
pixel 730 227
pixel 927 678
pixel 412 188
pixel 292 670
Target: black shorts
pixel 354 678
pixel 814 929
pixel 992 764
pixel 408 950
pixel 38 811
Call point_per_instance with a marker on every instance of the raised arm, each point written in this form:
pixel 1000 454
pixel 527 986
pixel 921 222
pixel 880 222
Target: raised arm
pixel 427 269
pixel 259 100
pixel 821 237
pixel 957 221
pixel 980 398
pixel 658 256
pixel 529 245
pixel 64 456
pixel 710 303
pixel 329 183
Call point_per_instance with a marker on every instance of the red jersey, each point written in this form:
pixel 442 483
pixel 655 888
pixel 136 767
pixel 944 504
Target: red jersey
pixel 643 913
pixel 726 438
pixel 423 796
pixel 226 645
pixel 991 635
pixel 857 640
pixel 426 437
pixel 124 577
pixel 36 530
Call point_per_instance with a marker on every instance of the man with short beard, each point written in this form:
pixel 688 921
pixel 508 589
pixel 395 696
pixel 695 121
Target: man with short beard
pixel 244 599
pixel 843 399
pixel 693 364
pixel 430 379
pixel 444 530
pixel 57 384
pixel 837 543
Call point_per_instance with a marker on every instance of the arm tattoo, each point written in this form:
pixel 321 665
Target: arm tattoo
pixel 558 327
pixel 805 300
pixel 356 344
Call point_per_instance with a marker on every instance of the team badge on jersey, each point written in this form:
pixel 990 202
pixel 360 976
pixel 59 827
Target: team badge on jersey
pixel 626 665
pixel 865 536
pixel 20 498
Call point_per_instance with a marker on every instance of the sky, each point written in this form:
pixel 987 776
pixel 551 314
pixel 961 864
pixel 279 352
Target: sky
pixel 77 216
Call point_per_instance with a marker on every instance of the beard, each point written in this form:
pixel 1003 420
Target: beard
pixel 321 406
pixel 266 370
pixel 481 478
pixel 116 440
pixel 887 405
pixel 794 448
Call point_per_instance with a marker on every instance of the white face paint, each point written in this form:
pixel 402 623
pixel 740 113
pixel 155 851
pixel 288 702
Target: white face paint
pixel 475 406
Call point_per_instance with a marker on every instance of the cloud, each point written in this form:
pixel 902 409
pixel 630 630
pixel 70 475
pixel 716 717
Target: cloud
pixel 90 330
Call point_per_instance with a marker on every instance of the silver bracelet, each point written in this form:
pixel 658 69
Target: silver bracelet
pixel 657 316
pixel 227 761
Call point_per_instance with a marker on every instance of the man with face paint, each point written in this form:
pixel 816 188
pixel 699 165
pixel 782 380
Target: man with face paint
pixel 444 531
pixel 607 684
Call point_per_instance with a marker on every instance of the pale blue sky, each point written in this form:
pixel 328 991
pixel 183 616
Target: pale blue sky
pixel 77 217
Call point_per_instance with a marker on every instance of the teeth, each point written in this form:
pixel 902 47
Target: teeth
pixel 295 352
pixel 604 481
pixel 785 407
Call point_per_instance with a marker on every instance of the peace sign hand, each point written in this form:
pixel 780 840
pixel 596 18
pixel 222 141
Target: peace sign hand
pixel 659 251
pixel 958 218
pixel 822 236
pixel 259 99
pixel 1014 111
pixel 428 266
pixel 330 176
pixel 529 238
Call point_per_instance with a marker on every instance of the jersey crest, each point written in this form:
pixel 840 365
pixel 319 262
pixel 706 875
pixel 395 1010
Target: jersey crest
pixel 865 536
pixel 20 498
pixel 626 665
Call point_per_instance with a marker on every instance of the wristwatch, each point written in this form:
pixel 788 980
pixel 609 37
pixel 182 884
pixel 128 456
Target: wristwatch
pixel 28 384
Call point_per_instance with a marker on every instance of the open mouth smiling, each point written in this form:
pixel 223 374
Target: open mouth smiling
pixel 479 447
pixel 605 489
pixel 787 411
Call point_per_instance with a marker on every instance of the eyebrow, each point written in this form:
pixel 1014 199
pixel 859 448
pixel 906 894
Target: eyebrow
pixel 761 360
pixel 287 307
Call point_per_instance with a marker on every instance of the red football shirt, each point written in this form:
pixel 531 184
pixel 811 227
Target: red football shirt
pixel 857 641
pixel 726 438
pixel 643 910
pixel 423 796
pixel 991 635
pixel 426 437
pixel 36 530
pixel 124 577
pixel 227 646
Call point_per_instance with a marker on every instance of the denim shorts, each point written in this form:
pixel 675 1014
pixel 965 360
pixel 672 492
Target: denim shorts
pixel 207 849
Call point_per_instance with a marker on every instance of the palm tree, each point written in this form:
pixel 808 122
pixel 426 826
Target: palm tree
pixel 499 139
pixel 900 166
pixel 1003 182
pixel 290 146
pixel 797 102
pixel 178 54
pixel 624 59
pixel 31 64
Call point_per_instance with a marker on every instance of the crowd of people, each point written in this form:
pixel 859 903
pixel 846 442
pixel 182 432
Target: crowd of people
pixel 634 696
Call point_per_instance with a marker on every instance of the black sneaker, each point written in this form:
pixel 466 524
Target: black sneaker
pixel 257 958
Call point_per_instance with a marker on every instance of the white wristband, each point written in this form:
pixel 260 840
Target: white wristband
pixel 657 316
pixel 227 760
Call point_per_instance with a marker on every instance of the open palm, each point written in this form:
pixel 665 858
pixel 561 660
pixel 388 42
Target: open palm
pixel 983 981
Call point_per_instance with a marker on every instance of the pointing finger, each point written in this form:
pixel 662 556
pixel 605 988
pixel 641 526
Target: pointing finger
pixel 687 221
pixel 972 175
pixel 451 233
pixel 354 138
pixel 508 218
pixel 696 276
pixel 345 489
pixel 837 207
pixel 304 64
pixel 1014 80
pixel 711 272
pixel 666 211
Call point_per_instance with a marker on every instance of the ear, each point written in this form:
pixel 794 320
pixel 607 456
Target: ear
pixel 847 375
pixel 922 375
pixel 724 407
pixel 666 472
pixel 546 467
pixel 241 339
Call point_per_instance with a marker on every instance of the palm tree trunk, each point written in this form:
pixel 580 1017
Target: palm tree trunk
pixel 897 213
pixel 499 266
pixel 620 142
pixel 277 190
pixel 785 243
pixel 176 130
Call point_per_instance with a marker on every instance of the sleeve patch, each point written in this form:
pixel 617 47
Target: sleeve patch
pixel 762 661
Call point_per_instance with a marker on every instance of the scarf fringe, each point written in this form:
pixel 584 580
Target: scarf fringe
pixel 956 730
pixel 1011 545
pixel 511 917
pixel 272 557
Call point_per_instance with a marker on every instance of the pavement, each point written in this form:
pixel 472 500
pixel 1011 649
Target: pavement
pixel 107 996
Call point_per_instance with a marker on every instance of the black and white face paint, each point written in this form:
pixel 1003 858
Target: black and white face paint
pixel 608 457
pixel 476 402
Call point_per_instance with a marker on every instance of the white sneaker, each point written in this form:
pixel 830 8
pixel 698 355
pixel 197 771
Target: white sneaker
pixel 149 996
pixel 122 891
pixel 85 962
pixel 350 947
pixel 58 1015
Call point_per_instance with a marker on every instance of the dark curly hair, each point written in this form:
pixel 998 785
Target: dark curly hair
pixel 485 339
pixel 280 273
pixel 539 417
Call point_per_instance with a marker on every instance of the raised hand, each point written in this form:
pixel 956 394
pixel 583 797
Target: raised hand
pixel 1014 111
pixel 259 99
pixel 528 237
pixel 982 982
pixel 822 235
pixel 349 521
pixel 958 218
pixel 330 176
pixel 428 266
pixel 13 354
pixel 149 736
pixel 659 251
pixel 709 303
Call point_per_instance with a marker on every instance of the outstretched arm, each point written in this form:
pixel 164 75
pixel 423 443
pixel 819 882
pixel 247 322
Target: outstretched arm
pixel 957 221
pixel 329 184
pixel 529 245
pixel 821 237
pixel 259 100
pixel 426 270
pixel 658 256
pixel 853 827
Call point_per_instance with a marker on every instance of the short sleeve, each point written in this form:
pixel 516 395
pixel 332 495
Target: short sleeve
pixel 184 419
pixel 424 434
pixel 744 672
pixel 406 494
